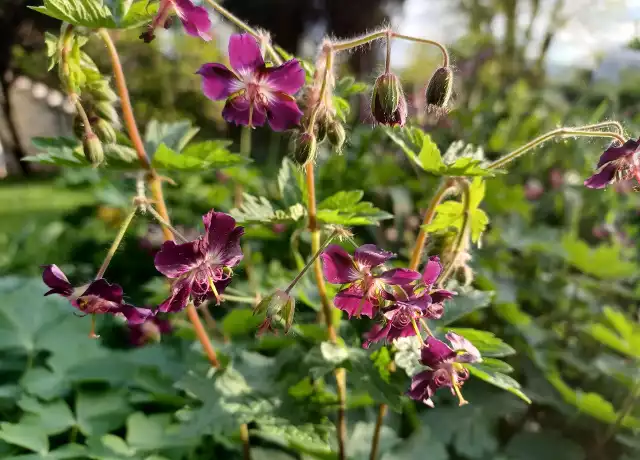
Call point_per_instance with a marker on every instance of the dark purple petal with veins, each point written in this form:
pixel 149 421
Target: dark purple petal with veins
pixel 369 255
pixel 378 332
pixel 615 153
pixel 56 280
pixel 244 53
pixel 283 112
pixel 237 111
pixel 134 315
pixel 399 276
pixel 602 177
pixel 218 82
pixel 434 352
pixel 466 351
pixel 440 295
pixel 179 298
pixel 353 301
pixel 105 290
pixel 338 266
pixel 195 19
pixel 421 388
pixel 288 77
pixel 222 239
pixel 174 260
pixel 432 270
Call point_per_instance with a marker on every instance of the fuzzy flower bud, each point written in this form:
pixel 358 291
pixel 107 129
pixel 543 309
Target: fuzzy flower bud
pixel 277 306
pixel 304 150
pixel 388 104
pixel 105 110
pixel 336 134
pixel 439 89
pixel 101 91
pixel 105 131
pixel 93 149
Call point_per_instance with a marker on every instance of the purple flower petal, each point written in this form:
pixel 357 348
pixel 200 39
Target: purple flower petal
pixel 434 352
pixel 105 290
pixel 283 112
pixel 174 260
pixel 432 270
pixel 399 276
pixel 338 266
pixel 237 111
pixel 135 315
pixel 287 78
pixel 222 240
pixel 244 53
pixel 352 300
pixel 615 153
pixel 421 388
pixel 195 19
pixel 470 353
pixel 440 295
pixel 602 177
pixel 369 255
pixel 378 332
pixel 218 82
pixel 54 278
pixel 179 298
pixel 434 311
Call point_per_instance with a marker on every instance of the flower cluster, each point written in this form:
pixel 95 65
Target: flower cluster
pixel 403 300
pixel 200 269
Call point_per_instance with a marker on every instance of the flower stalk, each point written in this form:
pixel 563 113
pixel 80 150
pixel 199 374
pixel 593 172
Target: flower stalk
pixel 116 243
pixel 311 262
pixel 463 234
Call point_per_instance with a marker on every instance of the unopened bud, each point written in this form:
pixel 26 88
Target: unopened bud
pixel 388 104
pixel 336 134
pixel 78 128
pixel 105 131
pixel 439 89
pixel 304 149
pixel 101 91
pixel 279 306
pixel 106 110
pixel 322 127
pixel 93 149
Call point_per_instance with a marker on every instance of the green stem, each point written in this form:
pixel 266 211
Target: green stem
pixel 115 244
pixel 382 411
pixel 443 50
pixel 627 406
pixel 156 215
pixel 560 132
pixel 239 299
pixel 344 45
pixel 311 262
pixel 387 61
pixel 462 234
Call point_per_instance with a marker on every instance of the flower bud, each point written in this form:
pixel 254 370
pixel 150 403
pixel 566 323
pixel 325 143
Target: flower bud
pixel 93 149
pixel 439 89
pixel 101 91
pixel 105 110
pixel 388 104
pixel 78 128
pixel 105 131
pixel 304 149
pixel 336 134
pixel 322 127
pixel 278 305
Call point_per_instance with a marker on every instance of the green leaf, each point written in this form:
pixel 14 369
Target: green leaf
pixel 289 183
pixel 547 445
pixel 486 342
pixel 67 152
pixel 347 208
pixel 30 437
pixel 605 261
pixel 175 136
pixel 148 432
pixel 53 418
pixel 359 446
pixel 94 14
pixel 240 322
pixel 430 158
pixel 201 156
pixel 497 379
pixel 414 448
pixel 99 413
pixel 260 210
pixel 119 9
pixel 44 384
pixel 466 301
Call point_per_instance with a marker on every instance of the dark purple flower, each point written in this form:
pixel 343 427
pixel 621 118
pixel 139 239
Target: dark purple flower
pixel 617 163
pixel 431 273
pixel 195 19
pixel 446 367
pixel 150 330
pixel 254 92
pixel 388 104
pixel 201 268
pixel 364 289
pixel 99 297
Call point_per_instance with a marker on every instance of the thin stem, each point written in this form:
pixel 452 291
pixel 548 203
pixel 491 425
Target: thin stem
pixel 115 244
pixel 311 262
pixel 125 101
pixel 426 327
pixel 429 214
pixel 328 63
pixel 443 50
pixel 417 330
pixel 382 411
pixel 83 115
pixel 387 62
pixel 362 40
pixel 239 23
pixel 201 333
pixel 627 406
pixel 246 445
pixel 239 299
pixel 462 234
pixel 156 215
pixel 155 185
pixel 616 125
pixel 561 132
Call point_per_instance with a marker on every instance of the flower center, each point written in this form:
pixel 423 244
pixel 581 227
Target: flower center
pixel 92 304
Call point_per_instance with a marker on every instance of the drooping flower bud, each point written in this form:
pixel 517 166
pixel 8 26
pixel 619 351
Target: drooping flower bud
pixel 105 131
pixel 93 149
pixel 277 306
pixel 439 89
pixel 322 127
pixel 336 134
pixel 101 90
pixel 304 148
pixel 78 128
pixel 105 110
pixel 388 104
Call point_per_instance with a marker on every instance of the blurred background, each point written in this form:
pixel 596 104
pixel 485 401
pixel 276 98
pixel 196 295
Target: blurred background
pixel 555 255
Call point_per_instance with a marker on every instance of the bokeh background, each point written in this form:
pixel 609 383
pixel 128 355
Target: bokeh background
pixel 559 260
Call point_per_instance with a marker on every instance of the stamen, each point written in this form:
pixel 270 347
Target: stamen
pixel 213 288
pixel 92 331
pixel 415 328
pixel 456 389
pixel 426 327
pixel 250 115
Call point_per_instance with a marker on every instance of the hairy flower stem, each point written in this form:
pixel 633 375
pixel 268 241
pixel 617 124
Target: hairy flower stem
pixel 328 64
pixel 156 215
pixel 382 411
pixel 116 243
pixel 260 36
pixel 463 234
pixel 311 262
pixel 560 132
pixel 421 240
